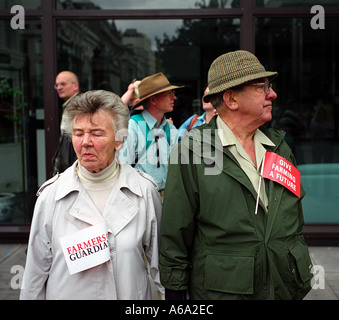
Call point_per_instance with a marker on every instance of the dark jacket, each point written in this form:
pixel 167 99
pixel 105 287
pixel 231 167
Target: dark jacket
pixel 212 243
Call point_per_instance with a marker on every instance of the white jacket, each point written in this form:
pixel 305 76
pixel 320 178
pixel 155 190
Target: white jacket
pixel 133 218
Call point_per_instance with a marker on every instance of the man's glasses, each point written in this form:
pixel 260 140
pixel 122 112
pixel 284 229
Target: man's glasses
pixel 267 85
pixel 170 93
pixel 62 84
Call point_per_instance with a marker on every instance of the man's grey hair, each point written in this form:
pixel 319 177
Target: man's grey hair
pixel 94 101
pixel 217 99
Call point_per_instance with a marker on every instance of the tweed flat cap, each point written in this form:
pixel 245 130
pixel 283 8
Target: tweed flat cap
pixel 233 69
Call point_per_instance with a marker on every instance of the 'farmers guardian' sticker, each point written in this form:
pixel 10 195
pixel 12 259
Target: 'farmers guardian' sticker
pixel 86 248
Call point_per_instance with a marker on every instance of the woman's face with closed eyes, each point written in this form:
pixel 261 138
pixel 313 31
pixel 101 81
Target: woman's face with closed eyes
pixel 94 141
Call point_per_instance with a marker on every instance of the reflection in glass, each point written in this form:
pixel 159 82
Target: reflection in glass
pixel 21 132
pixel 149 4
pixel 295 3
pixel 110 54
pixel 307 105
pixel 27 4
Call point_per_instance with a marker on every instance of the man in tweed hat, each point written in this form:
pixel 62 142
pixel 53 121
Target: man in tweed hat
pixel 216 242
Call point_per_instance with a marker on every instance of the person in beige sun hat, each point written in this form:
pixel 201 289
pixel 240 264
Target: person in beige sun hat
pixel 151 137
pixel 153 85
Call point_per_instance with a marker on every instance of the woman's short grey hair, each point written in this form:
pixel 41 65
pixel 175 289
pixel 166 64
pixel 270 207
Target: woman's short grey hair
pixel 94 101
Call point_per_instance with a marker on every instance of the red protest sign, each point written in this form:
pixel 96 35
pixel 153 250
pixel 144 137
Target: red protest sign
pixel 278 169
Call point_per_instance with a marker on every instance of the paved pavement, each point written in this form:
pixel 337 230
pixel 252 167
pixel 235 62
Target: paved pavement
pixel 12 261
pixel 325 259
pixel 326 262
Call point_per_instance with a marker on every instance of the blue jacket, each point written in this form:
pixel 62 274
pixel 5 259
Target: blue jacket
pixel 184 127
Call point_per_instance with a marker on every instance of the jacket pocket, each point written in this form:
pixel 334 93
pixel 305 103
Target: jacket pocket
pixel 301 265
pixel 229 274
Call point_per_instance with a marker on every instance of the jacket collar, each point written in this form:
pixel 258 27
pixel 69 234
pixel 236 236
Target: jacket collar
pixel 120 210
pixel 69 181
pixel 152 122
pixel 207 134
pixel 211 149
pixel 276 136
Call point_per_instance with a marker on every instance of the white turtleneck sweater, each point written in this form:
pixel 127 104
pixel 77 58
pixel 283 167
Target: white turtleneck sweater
pixel 99 185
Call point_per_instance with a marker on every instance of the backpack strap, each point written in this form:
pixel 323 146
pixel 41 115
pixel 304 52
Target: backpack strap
pixel 193 121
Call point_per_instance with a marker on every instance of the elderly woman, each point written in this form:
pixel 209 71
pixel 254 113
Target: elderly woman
pixel 94 224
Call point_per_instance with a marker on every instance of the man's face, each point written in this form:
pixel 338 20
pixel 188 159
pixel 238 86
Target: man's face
pixel 165 101
pixel 66 85
pixel 254 103
pixel 206 106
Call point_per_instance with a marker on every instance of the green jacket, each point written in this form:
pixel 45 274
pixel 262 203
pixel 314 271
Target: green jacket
pixel 212 243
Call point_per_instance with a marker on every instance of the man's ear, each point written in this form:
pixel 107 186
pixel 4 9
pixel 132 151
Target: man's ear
pixel 231 99
pixel 76 86
pixel 152 100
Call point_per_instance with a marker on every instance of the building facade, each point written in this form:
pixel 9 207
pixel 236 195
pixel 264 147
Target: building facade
pixel 108 43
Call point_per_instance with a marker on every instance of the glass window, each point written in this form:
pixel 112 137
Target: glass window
pixel 27 4
pixel 21 127
pixel 149 4
pixel 295 3
pixel 110 54
pixel 307 107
